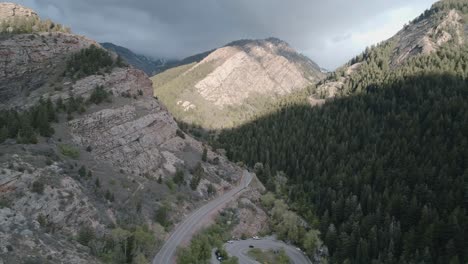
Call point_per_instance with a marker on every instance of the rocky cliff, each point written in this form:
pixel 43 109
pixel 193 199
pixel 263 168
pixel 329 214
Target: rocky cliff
pixel 444 23
pixel 115 170
pixel 11 10
pixel 235 82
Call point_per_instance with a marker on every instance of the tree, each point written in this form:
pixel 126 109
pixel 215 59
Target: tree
pixel 205 154
pixel 162 216
pixel 197 176
pixel 85 235
pixel 179 177
pixel 38 187
pixel 82 171
pixel 211 189
pixel 311 241
pixel 268 200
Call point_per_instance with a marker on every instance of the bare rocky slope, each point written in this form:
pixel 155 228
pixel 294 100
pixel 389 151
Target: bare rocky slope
pixel 105 179
pixel 234 83
pixel 445 23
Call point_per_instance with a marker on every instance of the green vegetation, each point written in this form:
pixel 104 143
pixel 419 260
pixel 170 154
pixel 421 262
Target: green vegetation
pixel 85 235
pixel 89 61
pixel 162 216
pixel 38 187
pixel 205 154
pixel 120 246
pixel 269 256
pixel 289 226
pixel 384 170
pixel 210 189
pixel 199 250
pixel 439 8
pixel 27 125
pixel 32 24
pixel 179 177
pixel 69 151
pixel 99 95
pixel 197 176
pixel 82 171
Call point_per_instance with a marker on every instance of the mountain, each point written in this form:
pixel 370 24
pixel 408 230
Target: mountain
pixel 380 167
pixel 232 84
pixel 93 169
pixel 445 23
pixel 148 65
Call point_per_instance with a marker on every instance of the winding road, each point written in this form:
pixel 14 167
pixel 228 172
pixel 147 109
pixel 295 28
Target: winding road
pixel 240 249
pixel 186 229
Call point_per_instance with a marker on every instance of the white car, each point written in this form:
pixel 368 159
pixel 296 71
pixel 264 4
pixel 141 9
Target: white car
pixel 230 241
pixel 256 237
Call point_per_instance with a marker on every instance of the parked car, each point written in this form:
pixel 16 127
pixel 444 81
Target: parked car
pixel 256 237
pixel 251 246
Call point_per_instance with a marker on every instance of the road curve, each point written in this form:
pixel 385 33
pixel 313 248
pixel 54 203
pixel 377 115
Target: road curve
pixel 241 247
pixel 187 228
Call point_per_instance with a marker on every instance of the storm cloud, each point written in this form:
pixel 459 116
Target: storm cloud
pixel 330 32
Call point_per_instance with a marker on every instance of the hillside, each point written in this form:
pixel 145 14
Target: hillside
pixel 148 65
pixel 445 23
pixel 234 83
pixel 380 169
pixel 93 169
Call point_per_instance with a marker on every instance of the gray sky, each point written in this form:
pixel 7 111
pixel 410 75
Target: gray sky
pixel 328 31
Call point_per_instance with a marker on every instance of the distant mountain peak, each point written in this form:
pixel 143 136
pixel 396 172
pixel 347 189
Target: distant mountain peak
pixel 147 64
pixel 235 82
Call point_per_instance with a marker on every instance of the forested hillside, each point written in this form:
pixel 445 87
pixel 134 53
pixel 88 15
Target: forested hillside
pixel 385 171
pixel 445 23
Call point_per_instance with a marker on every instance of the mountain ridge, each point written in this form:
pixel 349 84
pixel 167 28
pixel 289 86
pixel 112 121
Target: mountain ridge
pixel 90 162
pixel 244 74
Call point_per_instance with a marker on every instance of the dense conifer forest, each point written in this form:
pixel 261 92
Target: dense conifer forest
pixel 383 172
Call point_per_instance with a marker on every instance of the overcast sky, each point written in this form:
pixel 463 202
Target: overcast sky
pixel 328 31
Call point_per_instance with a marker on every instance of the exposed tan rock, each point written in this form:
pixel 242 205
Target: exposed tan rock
pixel 11 10
pixel 235 82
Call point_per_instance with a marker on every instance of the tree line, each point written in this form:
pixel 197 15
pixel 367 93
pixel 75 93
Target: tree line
pixel 381 173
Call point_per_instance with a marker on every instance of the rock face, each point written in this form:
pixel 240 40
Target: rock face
pixel 424 35
pixel 11 10
pixel 127 151
pixel 31 61
pixel 235 81
pixel 427 35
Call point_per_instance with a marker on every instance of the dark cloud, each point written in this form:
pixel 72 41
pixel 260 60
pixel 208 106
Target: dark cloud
pixel 180 28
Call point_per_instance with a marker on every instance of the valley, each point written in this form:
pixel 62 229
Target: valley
pixel 250 152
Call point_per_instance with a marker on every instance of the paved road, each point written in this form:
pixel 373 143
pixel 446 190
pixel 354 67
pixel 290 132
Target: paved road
pixel 241 247
pixel 185 230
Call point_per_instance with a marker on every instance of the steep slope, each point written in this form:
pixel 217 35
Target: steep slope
pixel 445 23
pixel 148 65
pixel 382 171
pixel 234 83
pixel 110 173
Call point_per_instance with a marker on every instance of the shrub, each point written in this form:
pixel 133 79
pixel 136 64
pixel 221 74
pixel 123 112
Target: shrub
pixel 180 134
pixel 179 177
pixel 82 171
pixel 38 187
pixel 90 61
pixel 99 95
pixel 69 151
pixel 85 235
